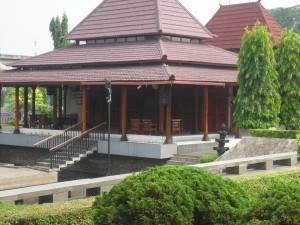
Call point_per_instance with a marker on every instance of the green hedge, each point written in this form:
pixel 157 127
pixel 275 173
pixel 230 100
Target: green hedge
pixel 172 195
pixel 63 213
pixel 209 158
pixel 289 134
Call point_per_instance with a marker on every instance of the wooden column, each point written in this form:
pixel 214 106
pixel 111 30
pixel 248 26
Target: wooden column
pixel 17 129
pixel 60 107
pixel 196 111
pixel 25 125
pixel 168 120
pixel 0 105
pixel 161 114
pixel 217 109
pixel 123 113
pixel 65 101
pixel 205 115
pixel 55 122
pixel 238 133
pixel 84 108
pixel 33 101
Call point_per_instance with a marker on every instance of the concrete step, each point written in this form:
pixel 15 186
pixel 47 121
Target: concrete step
pixel 186 159
pixel 174 162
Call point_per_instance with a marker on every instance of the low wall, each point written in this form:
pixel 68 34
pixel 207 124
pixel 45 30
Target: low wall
pixel 21 140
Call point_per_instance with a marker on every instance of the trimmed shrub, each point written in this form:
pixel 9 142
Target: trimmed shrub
pixel 279 204
pixel 63 213
pixel 209 158
pixel 289 134
pixel 171 195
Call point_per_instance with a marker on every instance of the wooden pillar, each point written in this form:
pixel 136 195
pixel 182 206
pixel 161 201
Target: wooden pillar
pixel 168 120
pixel 238 133
pixel 25 125
pixel 205 115
pixel 55 122
pixel 33 101
pixel 17 106
pixel 60 107
pixel 217 109
pixel 123 113
pixel 84 108
pixel 65 101
pixel 196 111
pixel 161 114
pixel 0 105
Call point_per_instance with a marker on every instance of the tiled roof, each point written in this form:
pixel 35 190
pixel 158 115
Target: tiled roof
pixel 129 52
pixel 141 73
pixel 203 74
pixel 113 18
pixel 230 21
pixel 77 76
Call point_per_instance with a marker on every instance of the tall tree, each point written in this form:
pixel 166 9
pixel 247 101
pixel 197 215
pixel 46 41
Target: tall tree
pixel 58 31
pixel 258 101
pixel 287 17
pixel 287 56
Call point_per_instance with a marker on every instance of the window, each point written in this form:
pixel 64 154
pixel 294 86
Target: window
pixel 109 40
pixel 165 37
pixel 121 39
pixel 176 39
pixel 100 41
pixel 82 43
pixel 141 38
pixel 195 41
pixel 91 42
pixel 187 40
pixel 131 39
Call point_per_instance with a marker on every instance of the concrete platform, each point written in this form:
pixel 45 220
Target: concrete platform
pixel 18 177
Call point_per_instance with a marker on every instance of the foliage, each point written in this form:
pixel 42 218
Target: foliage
pixel 41 98
pixel 171 195
pixel 289 134
pixel 287 17
pixel 58 31
pixel 69 212
pixel 298 143
pixel 258 101
pixel 287 56
pixel 209 158
pixel 278 204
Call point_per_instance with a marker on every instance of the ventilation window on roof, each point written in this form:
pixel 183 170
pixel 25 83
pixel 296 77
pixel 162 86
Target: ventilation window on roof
pixel 187 40
pixel 109 40
pixel 91 42
pixel 195 41
pixel 121 39
pixel 141 38
pixel 131 39
pixel 165 37
pixel 100 41
pixel 82 42
pixel 176 39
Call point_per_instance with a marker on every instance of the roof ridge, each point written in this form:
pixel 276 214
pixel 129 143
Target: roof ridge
pixel 245 3
pixel 195 19
pixel 66 37
pixel 158 16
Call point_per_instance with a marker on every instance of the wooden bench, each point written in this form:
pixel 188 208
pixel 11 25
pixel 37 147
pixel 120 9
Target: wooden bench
pixel 240 166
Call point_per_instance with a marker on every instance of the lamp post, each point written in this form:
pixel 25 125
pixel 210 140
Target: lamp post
pixel 108 100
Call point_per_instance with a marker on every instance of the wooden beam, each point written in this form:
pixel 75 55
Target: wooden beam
pixel 123 113
pixel 55 122
pixel 168 120
pixel 196 111
pixel 17 107
pixel 25 125
pixel 161 115
pixel 84 108
pixel 205 115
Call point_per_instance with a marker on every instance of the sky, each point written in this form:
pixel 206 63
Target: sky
pixel 24 24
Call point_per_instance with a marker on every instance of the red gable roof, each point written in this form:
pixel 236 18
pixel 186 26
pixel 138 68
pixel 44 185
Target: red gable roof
pixel 230 21
pixel 114 18
pixel 128 52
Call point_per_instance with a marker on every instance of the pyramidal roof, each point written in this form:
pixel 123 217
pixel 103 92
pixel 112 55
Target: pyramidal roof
pixel 230 21
pixel 117 18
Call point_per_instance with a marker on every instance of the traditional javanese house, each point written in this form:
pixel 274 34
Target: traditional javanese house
pixel 161 72
pixel 230 21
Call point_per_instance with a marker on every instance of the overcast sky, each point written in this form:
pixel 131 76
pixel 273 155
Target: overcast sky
pixel 22 22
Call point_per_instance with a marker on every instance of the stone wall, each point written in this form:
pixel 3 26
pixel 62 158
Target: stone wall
pixel 258 146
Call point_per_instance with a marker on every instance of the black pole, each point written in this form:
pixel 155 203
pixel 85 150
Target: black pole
pixel 108 100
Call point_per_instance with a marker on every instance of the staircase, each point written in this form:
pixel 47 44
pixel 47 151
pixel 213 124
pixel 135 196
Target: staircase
pixel 189 158
pixel 68 147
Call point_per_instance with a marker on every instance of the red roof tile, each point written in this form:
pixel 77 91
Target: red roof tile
pixel 203 74
pixel 77 76
pixel 128 52
pixel 113 18
pixel 230 21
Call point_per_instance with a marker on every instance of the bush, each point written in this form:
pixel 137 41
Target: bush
pixel 289 134
pixel 279 204
pixel 298 143
pixel 171 195
pixel 209 158
pixel 63 213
